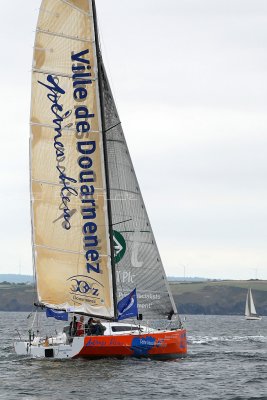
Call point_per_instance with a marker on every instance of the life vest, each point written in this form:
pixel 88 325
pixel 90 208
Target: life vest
pixel 80 329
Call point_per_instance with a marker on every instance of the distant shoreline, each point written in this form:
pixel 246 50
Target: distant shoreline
pixel 191 298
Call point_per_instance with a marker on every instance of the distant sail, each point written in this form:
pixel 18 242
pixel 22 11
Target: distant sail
pixel 138 263
pixel 68 183
pixel 247 308
pixel 252 306
pixel 250 310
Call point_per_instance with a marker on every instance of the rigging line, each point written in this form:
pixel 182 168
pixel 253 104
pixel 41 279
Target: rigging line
pixel 109 129
pixel 34 295
pixel 33 322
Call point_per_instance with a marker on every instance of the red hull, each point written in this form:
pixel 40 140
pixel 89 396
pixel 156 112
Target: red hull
pixel 159 345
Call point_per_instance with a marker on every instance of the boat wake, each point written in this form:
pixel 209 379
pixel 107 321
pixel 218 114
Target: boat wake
pixel 209 340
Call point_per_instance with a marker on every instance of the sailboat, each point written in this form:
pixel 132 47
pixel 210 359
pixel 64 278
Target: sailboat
pixel 250 310
pixel 94 251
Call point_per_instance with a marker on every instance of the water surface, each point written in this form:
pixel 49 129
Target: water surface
pixel 227 360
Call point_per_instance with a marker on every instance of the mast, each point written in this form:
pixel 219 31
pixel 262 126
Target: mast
pixel 102 110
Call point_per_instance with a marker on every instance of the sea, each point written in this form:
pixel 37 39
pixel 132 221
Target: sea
pixel 227 359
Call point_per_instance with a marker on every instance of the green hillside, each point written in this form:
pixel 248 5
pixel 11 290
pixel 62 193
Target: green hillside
pixel 222 297
pixel 16 297
pixel 211 297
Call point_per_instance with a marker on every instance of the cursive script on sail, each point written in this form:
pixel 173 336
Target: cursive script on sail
pixel 54 95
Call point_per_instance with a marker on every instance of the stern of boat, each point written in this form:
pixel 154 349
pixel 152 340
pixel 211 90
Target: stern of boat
pixel 21 348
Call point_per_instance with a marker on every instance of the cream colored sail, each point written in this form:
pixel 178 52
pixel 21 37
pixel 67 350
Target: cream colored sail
pixel 68 184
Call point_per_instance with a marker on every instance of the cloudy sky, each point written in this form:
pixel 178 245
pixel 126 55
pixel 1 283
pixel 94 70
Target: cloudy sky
pixel 190 82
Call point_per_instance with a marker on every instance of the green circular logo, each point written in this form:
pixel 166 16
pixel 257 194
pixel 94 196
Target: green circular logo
pixel 119 246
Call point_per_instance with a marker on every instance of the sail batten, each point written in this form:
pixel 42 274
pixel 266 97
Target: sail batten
pixel 65 251
pixel 102 190
pixel 61 35
pixel 65 129
pixel 77 8
pixel 57 74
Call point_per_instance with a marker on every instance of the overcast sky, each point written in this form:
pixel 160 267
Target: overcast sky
pixel 190 82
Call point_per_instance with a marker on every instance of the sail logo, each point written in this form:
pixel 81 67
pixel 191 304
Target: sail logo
pixel 142 346
pixel 81 80
pixel 72 212
pixel 84 286
pixel 55 92
pixel 125 277
pixel 137 240
pixel 119 245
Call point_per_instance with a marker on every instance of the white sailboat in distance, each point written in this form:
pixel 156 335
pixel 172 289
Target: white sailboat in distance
pixel 250 310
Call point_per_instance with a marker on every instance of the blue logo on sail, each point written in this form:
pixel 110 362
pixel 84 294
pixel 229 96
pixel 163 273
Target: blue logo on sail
pixel 60 315
pixel 127 307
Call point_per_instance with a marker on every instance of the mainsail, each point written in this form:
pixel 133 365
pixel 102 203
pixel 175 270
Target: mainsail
pixel 68 183
pixel 91 232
